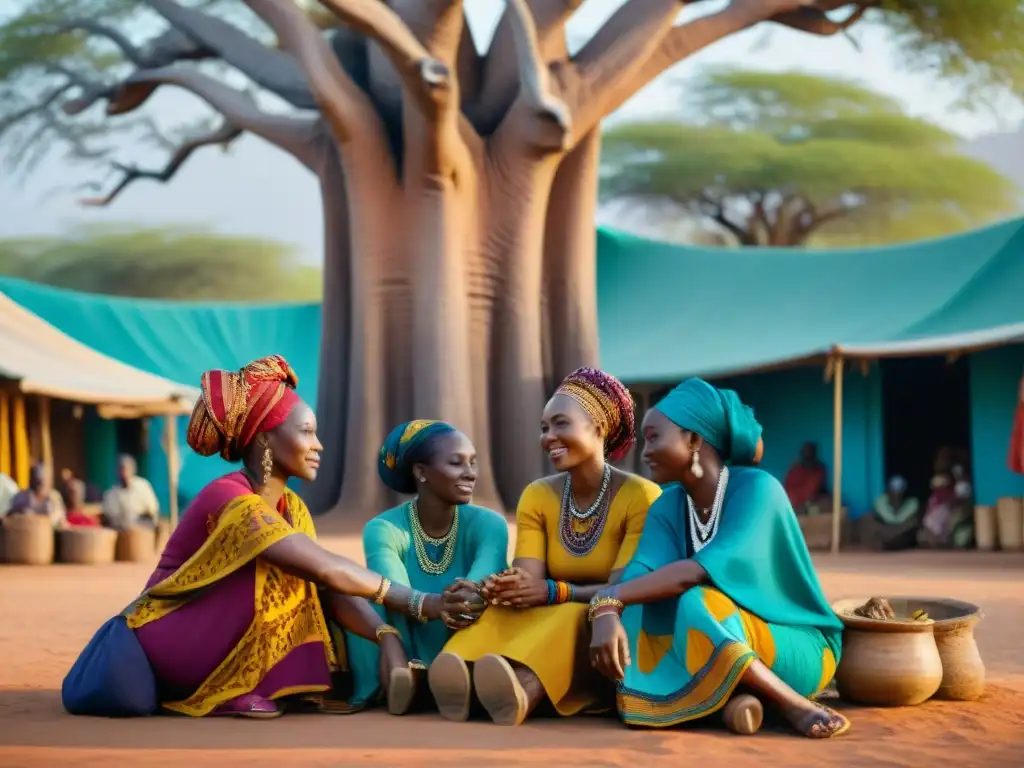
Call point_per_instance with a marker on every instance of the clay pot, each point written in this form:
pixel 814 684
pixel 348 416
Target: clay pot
pixel 886 663
pixel 136 545
pixel 1010 521
pixel 963 672
pixel 86 546
pixel 985 528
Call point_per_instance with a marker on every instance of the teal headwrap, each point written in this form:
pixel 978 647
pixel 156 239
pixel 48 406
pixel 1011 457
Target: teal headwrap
pixel 717 415
pixel 401 450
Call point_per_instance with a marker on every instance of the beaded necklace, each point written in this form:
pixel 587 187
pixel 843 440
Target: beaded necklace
pixel 580 543
pixel 445 543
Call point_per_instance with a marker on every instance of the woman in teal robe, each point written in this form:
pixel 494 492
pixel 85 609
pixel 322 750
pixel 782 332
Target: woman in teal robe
pixel 721 591
pixel 437 543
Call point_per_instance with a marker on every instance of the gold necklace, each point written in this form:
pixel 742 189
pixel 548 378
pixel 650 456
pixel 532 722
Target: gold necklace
pixel 420 539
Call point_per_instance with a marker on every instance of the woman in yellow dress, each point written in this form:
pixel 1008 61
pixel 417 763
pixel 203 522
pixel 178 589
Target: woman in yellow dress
pixel 576 531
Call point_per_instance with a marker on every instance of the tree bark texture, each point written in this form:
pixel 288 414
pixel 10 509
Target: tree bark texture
pixel 459 195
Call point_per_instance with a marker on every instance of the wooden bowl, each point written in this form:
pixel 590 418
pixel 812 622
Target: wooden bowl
pixel 887 663
pixel 28 540
pixel 86 546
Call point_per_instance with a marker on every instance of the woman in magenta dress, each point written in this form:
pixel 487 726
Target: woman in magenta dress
pixel 235 617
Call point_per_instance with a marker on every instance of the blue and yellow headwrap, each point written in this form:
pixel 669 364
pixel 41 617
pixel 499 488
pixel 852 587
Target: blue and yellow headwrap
pixel 717 415
pixel 401 450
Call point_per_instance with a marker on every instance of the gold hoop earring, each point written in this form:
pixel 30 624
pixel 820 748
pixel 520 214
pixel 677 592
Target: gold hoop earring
pixel 268 464
pixel 695 467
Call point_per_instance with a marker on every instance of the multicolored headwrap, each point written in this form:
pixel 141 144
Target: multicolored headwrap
pixel 717 415
pixel 608 403
pixel 234 407
pixel 402 449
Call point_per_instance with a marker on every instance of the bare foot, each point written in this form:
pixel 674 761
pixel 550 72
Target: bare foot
pixel 816 721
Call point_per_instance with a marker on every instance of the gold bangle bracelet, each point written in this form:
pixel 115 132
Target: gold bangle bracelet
pixel 604 602
pixel 382 590
pixel 387 629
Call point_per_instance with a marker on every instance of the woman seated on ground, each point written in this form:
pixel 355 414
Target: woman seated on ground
pixel 231 620
pixel 439 544
pixel 575 532
pixel 892 522
pixel 722 589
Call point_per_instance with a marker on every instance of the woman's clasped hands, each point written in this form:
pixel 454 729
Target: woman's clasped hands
pixel 461 604
pixel 515 588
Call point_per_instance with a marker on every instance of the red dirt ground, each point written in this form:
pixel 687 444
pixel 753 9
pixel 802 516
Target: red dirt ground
pixel 48 614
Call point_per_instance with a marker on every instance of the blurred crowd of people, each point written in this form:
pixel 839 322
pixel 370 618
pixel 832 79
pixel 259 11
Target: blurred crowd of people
pixel 72 502
pixel 897 519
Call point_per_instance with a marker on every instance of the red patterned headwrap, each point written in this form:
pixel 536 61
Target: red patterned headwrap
pixel 235 407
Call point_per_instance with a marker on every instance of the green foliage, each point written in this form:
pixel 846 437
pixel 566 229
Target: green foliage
pixel 977 42
pixel 825 144
pixel 163 263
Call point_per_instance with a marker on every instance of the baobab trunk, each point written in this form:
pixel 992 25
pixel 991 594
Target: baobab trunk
pixel 519 189
pixel 335 333
pixel 570 266
pixel 372 202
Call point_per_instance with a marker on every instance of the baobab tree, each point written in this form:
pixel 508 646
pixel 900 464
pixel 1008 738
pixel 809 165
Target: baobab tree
pixel 459 186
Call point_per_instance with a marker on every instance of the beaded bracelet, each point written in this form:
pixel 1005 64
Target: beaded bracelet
pixel 387 629
pixel 382 590
pixel 560 592
pixel 601 605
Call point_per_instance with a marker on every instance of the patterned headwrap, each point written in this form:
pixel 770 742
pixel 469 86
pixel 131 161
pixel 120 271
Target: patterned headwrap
pixel 234 407
pixel 401 450
pixel 608 403
pixel 717 415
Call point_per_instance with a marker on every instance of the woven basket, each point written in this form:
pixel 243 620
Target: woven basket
pixel 136 545
pixel 985 538
pixel 28 540
pixel 86 546
pixel 1010 523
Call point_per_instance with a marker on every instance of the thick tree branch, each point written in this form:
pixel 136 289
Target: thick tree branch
pixel 342 102
pixel 294 135
pixel 274 70
pixel 222 137
pixel 607 78
pixel 89 91
pixel 500 84
pixel 427 79
pixel 536 102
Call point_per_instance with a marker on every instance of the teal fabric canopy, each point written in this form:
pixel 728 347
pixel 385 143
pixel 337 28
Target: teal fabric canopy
pixel 668 311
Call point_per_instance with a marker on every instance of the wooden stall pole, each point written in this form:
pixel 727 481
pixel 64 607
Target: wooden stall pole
pixel 171 435
pixel 46 435
pixel 837 451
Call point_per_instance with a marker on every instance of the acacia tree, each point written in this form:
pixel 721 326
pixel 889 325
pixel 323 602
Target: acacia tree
pixel 787 157
pixel 459 186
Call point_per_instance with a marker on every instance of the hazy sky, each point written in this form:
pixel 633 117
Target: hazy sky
pixel 259 191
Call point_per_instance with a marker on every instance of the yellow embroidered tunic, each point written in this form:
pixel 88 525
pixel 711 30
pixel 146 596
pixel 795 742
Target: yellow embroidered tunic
pixel 548 639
